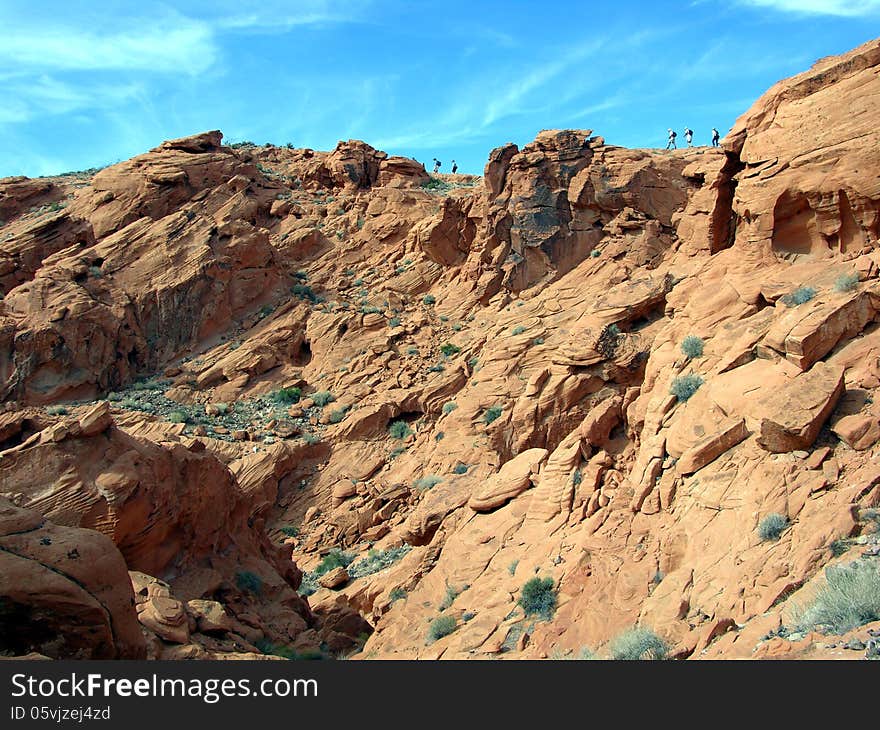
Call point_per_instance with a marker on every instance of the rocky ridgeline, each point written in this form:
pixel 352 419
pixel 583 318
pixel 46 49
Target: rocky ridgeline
pixel 262 401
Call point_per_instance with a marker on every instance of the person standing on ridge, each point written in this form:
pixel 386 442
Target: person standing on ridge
pixel 670 145
pixel 715 137
pixel 437 164
pixel 689 136
pixel 454 167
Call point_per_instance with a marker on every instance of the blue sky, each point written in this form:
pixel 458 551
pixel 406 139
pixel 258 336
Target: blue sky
pixel 85 84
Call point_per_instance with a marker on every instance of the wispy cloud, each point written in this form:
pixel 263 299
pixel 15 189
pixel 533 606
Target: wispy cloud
pixel 169 44
pixel 277 16
pixel 841 8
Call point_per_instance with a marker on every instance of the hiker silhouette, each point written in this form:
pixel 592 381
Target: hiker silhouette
pixel 715 137
pixel 670 145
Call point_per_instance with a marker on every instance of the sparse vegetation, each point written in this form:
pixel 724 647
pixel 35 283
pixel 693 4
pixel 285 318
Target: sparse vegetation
pixel 849 598
pixel 609 341
pixel 684 386
pixel 518 330
pixel 436 368
pixel 57 411
pixel 397 594
pixel 449 407
pixel 595 253
pixel 429 299
pixel 304 292
pixel 311 438
pixel 394 322
pixel 377 560
pixel 538 597
pixel 801 295
pixel 449 349
pixel 399 430
pixel 512 567
pixel 426 482
pixel 412 351
pixel 441 626
pixel 638 643
pixel 336 558
pixel 460 468
pixel 772 526
pixel 290 530
pixel 178 417
pixel 451 594
pixel 248 581
pixel 287 395
pixel 692 347
pixel 492 414
pixel 846 282
pixel 322 397
pixel 337 415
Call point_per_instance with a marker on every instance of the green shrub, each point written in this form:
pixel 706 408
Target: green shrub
pixel 399 430
pixel 394 322
pixel 846 282
pixel 311 438
pixel 290 530
pixel 449 349
pixel 429 299
pixel 771 527
pixel 684 386
pixel 441 626
pixel 57 411
pixel 457 327
pixel 395 452
pixel 397 594
pixel 336 558
pixel 638 643
pixel 451 594
pixel 595 253
pixel 436 368
pixel 449 407
pixel 304 292
pixel 287 395
pixel 492 414
pixel 576 477
pixel 849 598
pixel 512 567
pixel 692 347
pixel 518 330
pixel 538 597
pixel 248 581
pixel 427 482
pixel 609 341
pixel 377 560
pixel 460 468
pixel 412 351
pixel 800 295
pixel 338 414
pixel 322 398
pixel 178 417
pixel 538 341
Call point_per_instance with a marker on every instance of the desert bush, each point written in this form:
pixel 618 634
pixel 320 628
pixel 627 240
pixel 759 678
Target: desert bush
pixel 449 349
pixel 692 347
pixel 397 594
pixel 609 340
pixel 290 530
pixel 849 598
pixel 311 438
pixel 336 558
pixel 684 386
pixel 287 395
pixel 449 407
pixel 440 627
pixel 451 594
pixel 771 527
pixel 399 430
pixel 492 414
pixel 638 643
pixel 460 468
pixel 377 560
pixel 429 299
pixel 248 581
pixel 56 411
pixel 322 398
pixel 800 295
pixel 436 368
pixel 538 597
pixel 846 282
pixel 518 330
pixel 394 322
pixel 337 415
pixel 178 417
pixel 426 482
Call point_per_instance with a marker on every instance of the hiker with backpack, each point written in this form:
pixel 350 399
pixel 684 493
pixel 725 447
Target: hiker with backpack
pixel 689 136
pixel 454 167
pixel 715 137
pixel 670 145
pixel 437 164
